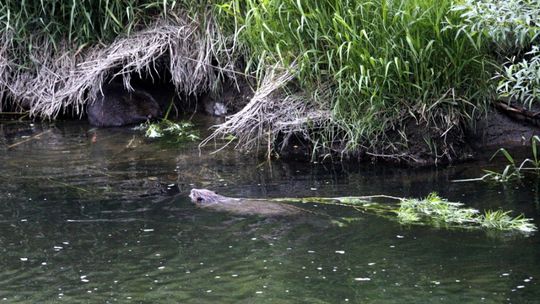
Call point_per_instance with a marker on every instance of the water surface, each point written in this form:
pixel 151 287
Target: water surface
pixel 102 216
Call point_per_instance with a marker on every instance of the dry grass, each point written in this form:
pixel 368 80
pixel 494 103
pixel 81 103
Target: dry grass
pixel 271 112
pixel 63 78
pixel 4 66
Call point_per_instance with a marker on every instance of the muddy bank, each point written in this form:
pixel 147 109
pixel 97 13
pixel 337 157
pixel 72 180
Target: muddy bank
pixel 427 145
pixel 503 131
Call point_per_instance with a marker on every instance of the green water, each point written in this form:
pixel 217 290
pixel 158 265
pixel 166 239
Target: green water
pixel 102 216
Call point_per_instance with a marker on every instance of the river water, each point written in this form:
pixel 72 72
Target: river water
pixel 102 216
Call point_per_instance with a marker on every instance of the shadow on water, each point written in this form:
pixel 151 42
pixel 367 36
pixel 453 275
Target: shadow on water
pixel 102 215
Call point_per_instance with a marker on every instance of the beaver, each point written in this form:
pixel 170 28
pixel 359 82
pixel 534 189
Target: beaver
pixel 243 206
pixel 116 107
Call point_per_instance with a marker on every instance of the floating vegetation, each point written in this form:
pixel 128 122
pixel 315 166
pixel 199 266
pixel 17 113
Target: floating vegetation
pixel 182 131
pixel 435 209
pixel 501 220
pixel 432 210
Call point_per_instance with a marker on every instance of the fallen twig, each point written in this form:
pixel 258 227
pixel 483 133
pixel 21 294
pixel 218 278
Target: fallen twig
pixel 28 139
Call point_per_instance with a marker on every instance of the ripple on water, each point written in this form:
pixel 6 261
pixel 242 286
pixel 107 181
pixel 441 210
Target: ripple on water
pixel 85 221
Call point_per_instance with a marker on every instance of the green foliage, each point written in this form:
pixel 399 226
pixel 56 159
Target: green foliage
pixel 432 210
pixel 509 23
pixel 435 211
pixel 513 26
pixel 78 21
pixel 181 131
pixel 31 26
pixel 373 63
pixel 521 81
pixel 512 171
pixel 501 220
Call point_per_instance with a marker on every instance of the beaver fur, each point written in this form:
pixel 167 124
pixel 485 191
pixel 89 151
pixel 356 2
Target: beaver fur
pixel 204 196
pixel 242 206
pixel 116 107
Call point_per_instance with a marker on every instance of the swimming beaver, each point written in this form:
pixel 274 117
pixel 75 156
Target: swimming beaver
pixel 209 199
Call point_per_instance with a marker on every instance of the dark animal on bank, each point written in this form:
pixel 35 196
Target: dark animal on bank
pixel 209 199
pixel 116 106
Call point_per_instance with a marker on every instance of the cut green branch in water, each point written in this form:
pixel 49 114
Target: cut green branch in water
pixel 432 210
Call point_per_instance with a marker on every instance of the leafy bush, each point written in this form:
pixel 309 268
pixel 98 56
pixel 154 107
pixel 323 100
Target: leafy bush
pixel 510 23
pixel 514 26
pixel 521 81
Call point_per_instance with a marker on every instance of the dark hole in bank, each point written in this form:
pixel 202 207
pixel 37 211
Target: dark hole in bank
pixel 155 96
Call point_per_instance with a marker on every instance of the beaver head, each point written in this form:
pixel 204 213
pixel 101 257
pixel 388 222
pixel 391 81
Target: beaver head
pixel 204 196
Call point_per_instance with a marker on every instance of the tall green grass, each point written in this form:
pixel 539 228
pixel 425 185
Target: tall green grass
pixel 32 26
pixel 373 63
pixel 78 21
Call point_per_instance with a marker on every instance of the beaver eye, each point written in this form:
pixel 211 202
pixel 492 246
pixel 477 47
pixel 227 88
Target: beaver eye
pixel 199 199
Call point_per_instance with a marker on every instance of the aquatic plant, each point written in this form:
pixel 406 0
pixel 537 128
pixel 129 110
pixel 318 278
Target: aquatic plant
pixel 512 171
pixel 501 220
pixel 431 210
pixel 434 208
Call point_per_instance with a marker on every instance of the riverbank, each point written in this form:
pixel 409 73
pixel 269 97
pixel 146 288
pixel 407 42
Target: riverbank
pixel 405 81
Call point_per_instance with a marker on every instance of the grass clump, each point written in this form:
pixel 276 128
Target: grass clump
pixel 501 220
pixel 435 209
pixel 78 21
pixel 370 65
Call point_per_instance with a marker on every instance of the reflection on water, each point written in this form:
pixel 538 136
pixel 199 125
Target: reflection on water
pixel 102 215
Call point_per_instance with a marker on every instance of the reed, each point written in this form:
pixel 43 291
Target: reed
pixel 370 65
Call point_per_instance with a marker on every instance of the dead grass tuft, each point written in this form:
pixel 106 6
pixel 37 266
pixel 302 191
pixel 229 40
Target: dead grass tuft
pixel 61 78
